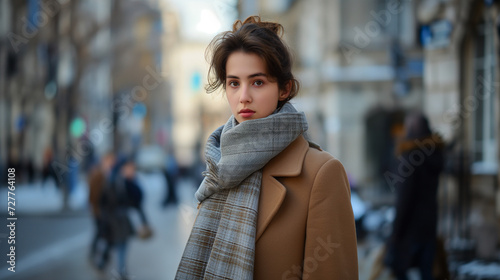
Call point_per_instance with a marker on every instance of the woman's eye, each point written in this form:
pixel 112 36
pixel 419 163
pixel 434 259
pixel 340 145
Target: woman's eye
pixel 258 83
pixel 233 84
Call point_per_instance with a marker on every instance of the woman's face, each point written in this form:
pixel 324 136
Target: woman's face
pixel 250 93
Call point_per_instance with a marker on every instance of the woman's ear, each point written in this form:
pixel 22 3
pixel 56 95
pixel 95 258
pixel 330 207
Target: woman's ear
pixel 286 92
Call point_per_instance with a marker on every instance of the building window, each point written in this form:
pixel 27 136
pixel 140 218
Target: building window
pixel 482 102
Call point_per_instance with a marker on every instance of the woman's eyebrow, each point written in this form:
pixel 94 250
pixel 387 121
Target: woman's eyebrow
pixel 257 75
pixel 249 76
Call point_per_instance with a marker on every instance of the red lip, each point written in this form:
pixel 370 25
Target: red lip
pixel 246 113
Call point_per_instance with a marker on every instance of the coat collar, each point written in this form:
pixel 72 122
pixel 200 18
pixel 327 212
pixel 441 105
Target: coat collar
pixel 286 164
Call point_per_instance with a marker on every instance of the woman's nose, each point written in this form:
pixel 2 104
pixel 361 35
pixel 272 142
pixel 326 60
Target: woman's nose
pixel 245 95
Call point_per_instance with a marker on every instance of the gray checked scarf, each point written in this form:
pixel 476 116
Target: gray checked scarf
pixel 222 241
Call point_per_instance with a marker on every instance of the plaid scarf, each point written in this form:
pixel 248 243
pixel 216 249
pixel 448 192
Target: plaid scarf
pixel 222 241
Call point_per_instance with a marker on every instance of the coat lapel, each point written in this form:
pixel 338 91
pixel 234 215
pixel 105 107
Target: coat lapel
pixel 286 164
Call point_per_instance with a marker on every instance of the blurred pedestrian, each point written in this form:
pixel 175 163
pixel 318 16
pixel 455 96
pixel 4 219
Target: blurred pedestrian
pixel 171 173
pixel 416 178
pixel 272 205
pixel 98 177
pixel 48 170
pixel 117 227
pixel 121 194
pixel 72 176
pixel 136 194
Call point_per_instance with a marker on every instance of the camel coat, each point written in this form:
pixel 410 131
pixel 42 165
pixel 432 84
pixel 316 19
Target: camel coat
pixel 305 223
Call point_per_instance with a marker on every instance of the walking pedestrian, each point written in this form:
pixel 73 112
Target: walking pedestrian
pixel 136 194
pixel 115 204
pixel 171 174
pixel 272 205
pixel 97 179
pixel 414 234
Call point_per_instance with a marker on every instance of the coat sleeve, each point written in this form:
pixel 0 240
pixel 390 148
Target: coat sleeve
pixel 330 249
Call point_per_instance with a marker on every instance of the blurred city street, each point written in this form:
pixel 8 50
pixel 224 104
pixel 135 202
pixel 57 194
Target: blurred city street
pixel 54 245
pixel 98 94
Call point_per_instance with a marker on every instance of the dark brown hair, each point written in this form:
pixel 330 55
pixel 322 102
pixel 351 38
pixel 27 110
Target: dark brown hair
pixel 252 36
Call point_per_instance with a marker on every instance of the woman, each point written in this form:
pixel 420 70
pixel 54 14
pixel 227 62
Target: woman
pixel 272 204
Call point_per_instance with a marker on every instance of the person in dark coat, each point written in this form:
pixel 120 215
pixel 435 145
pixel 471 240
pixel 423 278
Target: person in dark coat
pixel 135 193
pixel 415 181
pixel 115 203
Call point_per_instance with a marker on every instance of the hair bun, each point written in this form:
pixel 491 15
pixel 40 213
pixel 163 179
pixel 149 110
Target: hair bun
pixel 273 26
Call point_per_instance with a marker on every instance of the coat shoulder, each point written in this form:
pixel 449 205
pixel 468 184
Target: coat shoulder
pixel 327 171
pixel 317 157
